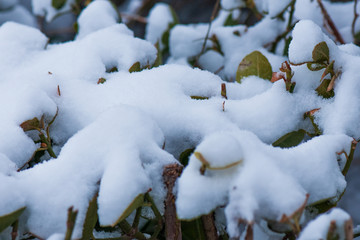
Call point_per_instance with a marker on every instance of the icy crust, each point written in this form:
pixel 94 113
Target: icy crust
pixel 319 227
pixel 98 15
pixel 248 188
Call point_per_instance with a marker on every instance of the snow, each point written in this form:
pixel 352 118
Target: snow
pixel 115 138
pixel 302 41
pixel 91 155
pixel 17 14
pixel 6 4
pixel 45 9
pixel 97 15
pixel 318 228
pixel 249 195
pixel 187 41
pixel 159 20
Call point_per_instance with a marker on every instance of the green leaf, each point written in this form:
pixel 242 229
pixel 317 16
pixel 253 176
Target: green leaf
pixel 10 218
pixel 320 53
pixel 57 4
pixel 185 155
pixel 322 89
pixel 90 219
pixel 254 64
pixel 137 202
pixel 230 21
pixel 193 230
pixel 199 98
pixel 135 67
pixel 290 139
pixel 158 60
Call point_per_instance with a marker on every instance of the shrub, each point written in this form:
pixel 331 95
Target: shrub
pixel 224 130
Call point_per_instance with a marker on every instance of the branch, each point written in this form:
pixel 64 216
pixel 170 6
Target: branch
pixel 172 224
pixel 330 22
pixel 209 226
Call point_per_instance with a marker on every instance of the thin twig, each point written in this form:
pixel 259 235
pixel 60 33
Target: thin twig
pixel 330 22
pixel 356 15
pixel 134 17
pixel 14 232
pixel 215 10
pixel 35 236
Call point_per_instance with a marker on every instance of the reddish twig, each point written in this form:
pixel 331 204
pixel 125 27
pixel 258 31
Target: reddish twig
pixel 330 23
pixel 134 17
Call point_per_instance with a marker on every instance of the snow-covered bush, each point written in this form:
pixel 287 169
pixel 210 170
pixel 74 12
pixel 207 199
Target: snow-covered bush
pixel 246 132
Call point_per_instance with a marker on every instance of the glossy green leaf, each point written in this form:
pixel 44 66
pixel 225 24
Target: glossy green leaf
pixel 290 139
pixel 8 219
pixel 135 67
pixel 320 53
pixel 90 219
pixel 137 202
pixel 322 89
pixel 57 4
pixel 254 64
